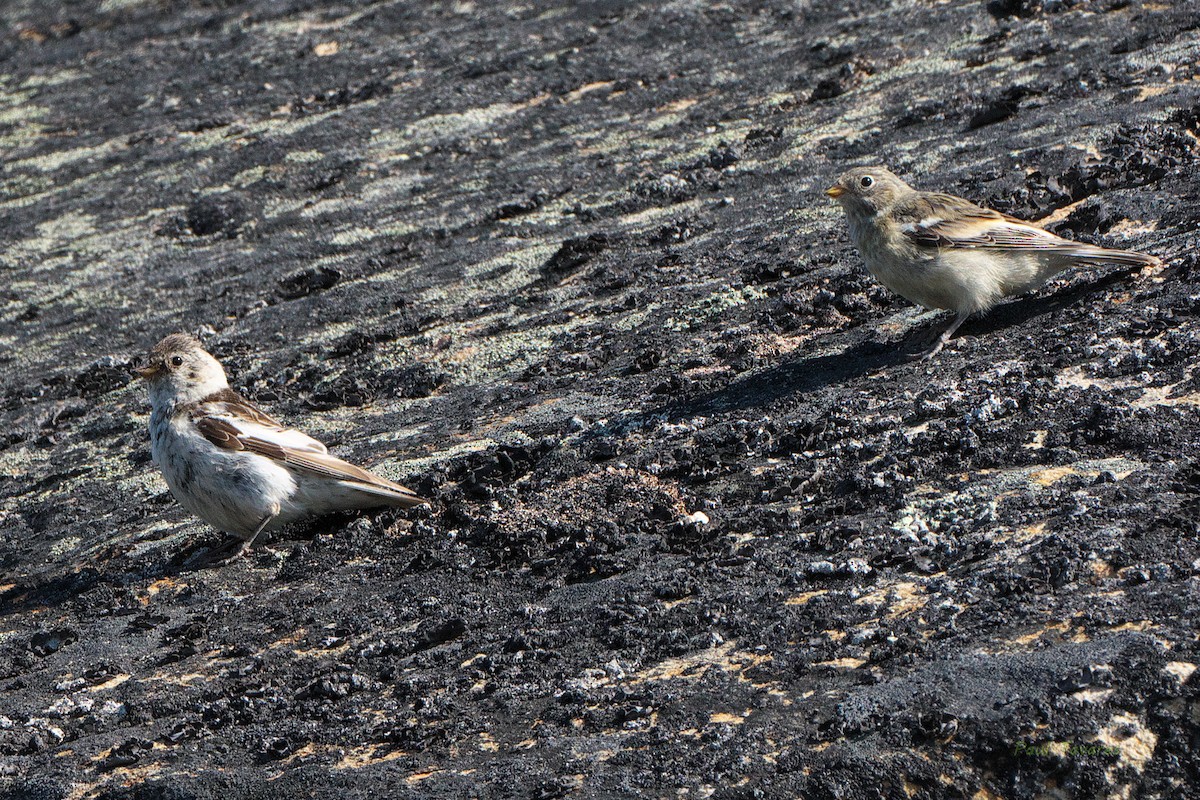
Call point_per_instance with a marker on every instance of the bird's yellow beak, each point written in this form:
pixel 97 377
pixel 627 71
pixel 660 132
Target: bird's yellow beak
pixel 148 371
pixel 835 192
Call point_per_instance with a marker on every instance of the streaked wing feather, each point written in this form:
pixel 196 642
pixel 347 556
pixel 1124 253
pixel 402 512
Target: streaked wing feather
pixel 220 431
pixel 237 432
pixel 318 464
pixel 249 419
pixel 942 220
pixel 331 467
pixel 234 403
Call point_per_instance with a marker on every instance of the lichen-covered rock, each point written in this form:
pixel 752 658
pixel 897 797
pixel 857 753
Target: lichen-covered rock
pixel 697 527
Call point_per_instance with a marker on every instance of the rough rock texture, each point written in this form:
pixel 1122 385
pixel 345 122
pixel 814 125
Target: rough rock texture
pixel 698 529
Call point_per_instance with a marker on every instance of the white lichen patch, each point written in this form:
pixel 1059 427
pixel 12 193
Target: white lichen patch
pixel 976 503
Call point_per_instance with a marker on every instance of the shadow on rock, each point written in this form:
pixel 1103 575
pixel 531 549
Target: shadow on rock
pixel 1020 311
pixel 802 376
pixel 50 591
pixel 864 358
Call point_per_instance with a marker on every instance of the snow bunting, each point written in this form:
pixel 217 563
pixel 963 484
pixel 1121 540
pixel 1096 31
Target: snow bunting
pixel 233 465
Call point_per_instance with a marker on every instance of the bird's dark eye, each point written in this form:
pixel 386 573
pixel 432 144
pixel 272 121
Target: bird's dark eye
pixel 176 361
pixel 866 181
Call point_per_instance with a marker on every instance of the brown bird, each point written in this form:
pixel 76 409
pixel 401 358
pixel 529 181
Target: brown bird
pixel 941 251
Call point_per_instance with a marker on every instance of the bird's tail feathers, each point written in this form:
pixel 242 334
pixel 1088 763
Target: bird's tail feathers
pixel 1090 254
pixel 394 495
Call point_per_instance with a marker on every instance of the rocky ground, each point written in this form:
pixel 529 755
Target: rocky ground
pixel 698 527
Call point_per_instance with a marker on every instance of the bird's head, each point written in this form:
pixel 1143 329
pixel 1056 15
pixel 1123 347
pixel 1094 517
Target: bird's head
pixel 179 370
pixel 868 190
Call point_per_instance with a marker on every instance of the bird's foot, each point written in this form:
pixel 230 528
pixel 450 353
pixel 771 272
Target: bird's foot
pixel 240 551
pixel 940 341
pixel 231 550
pixel 242 546
pixel 927 349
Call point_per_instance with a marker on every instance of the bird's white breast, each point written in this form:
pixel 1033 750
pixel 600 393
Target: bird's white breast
pixel 232 490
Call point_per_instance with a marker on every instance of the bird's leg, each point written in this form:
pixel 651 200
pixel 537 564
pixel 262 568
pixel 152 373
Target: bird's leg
pixel 246 545
pixel 946 334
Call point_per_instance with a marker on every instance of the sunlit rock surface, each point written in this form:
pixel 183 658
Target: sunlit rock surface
pixel 698 526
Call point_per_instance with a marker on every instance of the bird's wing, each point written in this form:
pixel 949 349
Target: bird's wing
pixel 929 219
pixel 254 421
pixel 227 425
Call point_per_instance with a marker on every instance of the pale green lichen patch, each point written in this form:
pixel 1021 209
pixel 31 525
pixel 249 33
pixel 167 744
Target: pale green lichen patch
pixel 145 482
pixel 251 176
pixel 17 106
pixel 170 534
pixel 352 236
pixel 392 146
pixel 504 274
pixel 23 190
pixel 122 5
pixel 276 207
pixel 52 234
pixel 304 23
pixel 651 218
pixel 724 353
pixel 20 461
pixel 304 156
pixel 327 207
pixel 64 546
pixel 503 353
pixel 713 305
pixel 56 160
pixel 394 188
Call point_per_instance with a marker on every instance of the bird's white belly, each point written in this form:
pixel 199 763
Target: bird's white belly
pixel 232 490
pixel 963 280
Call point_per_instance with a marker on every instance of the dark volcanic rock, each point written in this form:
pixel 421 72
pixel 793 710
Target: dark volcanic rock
pixel 698 528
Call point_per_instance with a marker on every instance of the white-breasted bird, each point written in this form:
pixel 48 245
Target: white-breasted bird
pixel 233 465
pixel 944 252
